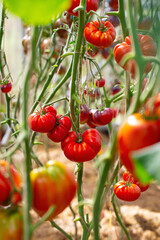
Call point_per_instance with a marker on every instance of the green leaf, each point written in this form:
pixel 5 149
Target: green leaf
pixel 147 163
pixel 37 12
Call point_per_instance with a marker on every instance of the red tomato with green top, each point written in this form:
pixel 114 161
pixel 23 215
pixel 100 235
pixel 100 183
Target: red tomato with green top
pixel 100 34
pixel 90 5
pixel 44 120
pixel 127 191
pixel 11 224
pixel 10 184
pixel 100 82
pixel 126 177
pixel 101 117
pixel 84 149
pixel 136 133
pixel 52 185
pixel 6 88
pixel 60 130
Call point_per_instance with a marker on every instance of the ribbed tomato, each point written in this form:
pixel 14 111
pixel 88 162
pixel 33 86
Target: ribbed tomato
pixel 60 130
pixel 44 120
pixel 11 224
pixel 100 34
pixel 136 133
pixel 147 46
pixel 82 150
pixel 126 177
pixel 90 5
pixel 10 184
pixel 127 191
pixel 52 185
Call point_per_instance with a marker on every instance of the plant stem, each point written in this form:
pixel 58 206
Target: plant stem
pixel 61 230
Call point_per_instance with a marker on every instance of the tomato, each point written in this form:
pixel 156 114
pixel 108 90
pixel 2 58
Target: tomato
pixel 52 185
pixel 113 4
pixel 82 150
pixel 61 70
pixel 115 89
pixel 126 177
pixel 11 224
pixel 114 20
pixel 26 43
pixel 105 53
pixel 101 117
pixel 136 133
pixel 148 48
pixel 10 184
pixel 92 50
pixel 90 5
pixel 6 88
pixel 100 82
pixel 46 45
pixel 94 93
pixel 60 23
pixel 127 191
pixel 99 34
pixel 115 112
pixel 60 130
pixel 84 113
pixel 44 120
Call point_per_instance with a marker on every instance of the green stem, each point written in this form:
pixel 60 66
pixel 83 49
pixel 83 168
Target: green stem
pixel 61 230
pixel 75 222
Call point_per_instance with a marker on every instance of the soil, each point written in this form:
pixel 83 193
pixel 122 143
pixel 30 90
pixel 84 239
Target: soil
pixel 141 217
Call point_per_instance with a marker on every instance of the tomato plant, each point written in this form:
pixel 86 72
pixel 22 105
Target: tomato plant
pixel 82 150
pixel 100 34
pixel 127 191
pixel 57 182
pixel 44 120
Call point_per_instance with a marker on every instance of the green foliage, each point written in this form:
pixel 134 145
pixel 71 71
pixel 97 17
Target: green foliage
pixel 37 12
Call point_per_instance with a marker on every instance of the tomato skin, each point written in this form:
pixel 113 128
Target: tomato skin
pixel 82 151
pixel 100 83
pixel 52 185
pixel 90 5
pixel 101 118
pixel 126 177
pixel 147 46
pixel 6 186
pixel 43 122
pixel 113 4
pixel 136 133
pixel 126 192
pixel 62 127
pixel 98 38
pixel 6 88
pixel 11 224
pixel 84 113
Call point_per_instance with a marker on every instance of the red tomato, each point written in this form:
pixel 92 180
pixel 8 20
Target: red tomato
pixel 148 48
pixel 60 130
pixel 92 50
pixel 82 150
pixel 113 4
pixel 115 89
pixel 6 88
pixel 105 53
pixel 114 20
pixel 136 133
pixel 43 121
pixel 52 185
pixel 90 5
pixel 126 177
pixel 99 34
pixel 100 82
pixel 84 113
pixel 11 224
pixel 8 183
pixel 127 191
pixel 101 118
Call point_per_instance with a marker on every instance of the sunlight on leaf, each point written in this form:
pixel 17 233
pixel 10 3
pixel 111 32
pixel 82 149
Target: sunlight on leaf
pixel 37 12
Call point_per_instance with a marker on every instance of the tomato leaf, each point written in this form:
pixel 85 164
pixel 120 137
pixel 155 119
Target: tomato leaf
pixel 147 163
pixel 37 12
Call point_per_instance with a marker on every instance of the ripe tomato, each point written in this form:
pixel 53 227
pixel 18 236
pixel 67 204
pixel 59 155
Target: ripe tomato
pixel 6 88
pixel 44 120
pixel 52 185
pixel 92 50
pixel 99 34
pixel 11 224
pixel 105 53
pixel 60 130
pixel 83 150
pixel 114 20
pixel 136 133
pixel 113 4
pixel 9 179
pixel 90 5
pixel 60 23
pixel 84 113
pixel 115 89
pixel 126 177
pixel 148 48
pixel 101 118
pixel 127 191
pixel 100 82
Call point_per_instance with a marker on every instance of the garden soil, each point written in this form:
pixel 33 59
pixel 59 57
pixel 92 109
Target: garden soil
pixel 141 217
